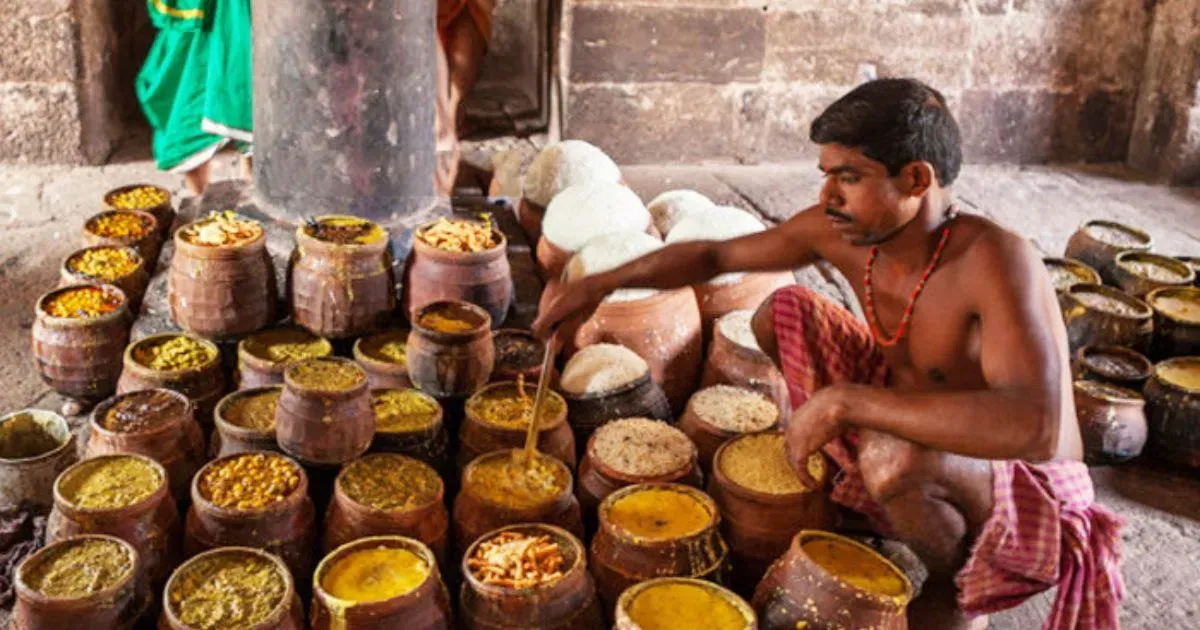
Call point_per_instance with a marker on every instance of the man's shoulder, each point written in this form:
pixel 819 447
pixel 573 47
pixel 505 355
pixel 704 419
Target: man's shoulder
pixel 989 242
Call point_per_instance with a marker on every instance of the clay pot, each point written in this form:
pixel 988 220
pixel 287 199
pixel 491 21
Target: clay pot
pixel 481 278
pixel 1113 365
pixel 117 607
pixel 707 437
pixel 338 290
pixel 204 385
pixel 172 437
pixel 477 436
pixel 80 358
pixel 626 622
pixel 1112 421
pixel 620 560
pixel 1100 255
pixel 164 213
pixel 1174 416
pixel 730 363
pixel 748 292
pixel 570 603
pixel 475 515
pixel 285 528
pixel 221 292
pixel 148 243
pixel 231 439
pixel 530 215
pixel 518 353
pixel 1138 285
pixel 132 284
pixel 1089 326
pixel 288 615
pixel 255 370
pixel 381 372
pixel 427 607
pixel 1194 263
pixel 551 259
pixel 1174 336
pixel 348 520
pixel 451 364
pixel 1066 273
pixel 27 475
pixel 798 591
pixel 324 427
pixel 640 398
pixel 429 443
pixel 150 525
pixel 664 329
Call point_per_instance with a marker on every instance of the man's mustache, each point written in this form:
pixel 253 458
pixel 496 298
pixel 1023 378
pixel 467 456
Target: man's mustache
pixel 838 215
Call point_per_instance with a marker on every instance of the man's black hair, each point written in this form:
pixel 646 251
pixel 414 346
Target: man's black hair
pixel 894 121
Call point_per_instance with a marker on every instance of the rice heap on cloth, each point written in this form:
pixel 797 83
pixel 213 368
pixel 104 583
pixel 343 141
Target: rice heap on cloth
pixel 610 251
pixel 720 223
pixel 669 208
pixel 602 367
pixel 735 326
pixel 566 164
pixel 585 211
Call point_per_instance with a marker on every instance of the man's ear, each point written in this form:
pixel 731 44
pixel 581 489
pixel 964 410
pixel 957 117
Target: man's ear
pixel 916 178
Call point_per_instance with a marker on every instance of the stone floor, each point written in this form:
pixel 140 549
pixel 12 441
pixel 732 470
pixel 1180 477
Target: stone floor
pixel 42 209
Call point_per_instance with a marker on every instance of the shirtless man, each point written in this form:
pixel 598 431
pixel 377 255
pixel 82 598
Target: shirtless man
pixel 955 429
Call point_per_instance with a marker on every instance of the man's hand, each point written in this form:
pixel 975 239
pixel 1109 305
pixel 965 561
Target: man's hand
pixel 816 422
pixel 562 301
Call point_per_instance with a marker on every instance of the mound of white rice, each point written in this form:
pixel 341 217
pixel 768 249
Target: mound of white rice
pixel 720 223
pixel 566 164
pixel 584 211
pixel 669 208
pixel 600 368
pixel 609 251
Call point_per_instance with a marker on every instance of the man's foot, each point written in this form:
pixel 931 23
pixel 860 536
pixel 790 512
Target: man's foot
pixel 196 179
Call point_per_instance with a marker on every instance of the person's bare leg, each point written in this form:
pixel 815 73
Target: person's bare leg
pixel 936 503
pixel 465 49
pixel 196 179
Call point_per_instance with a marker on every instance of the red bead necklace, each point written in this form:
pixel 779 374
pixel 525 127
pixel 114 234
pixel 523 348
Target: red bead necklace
pixel 877 327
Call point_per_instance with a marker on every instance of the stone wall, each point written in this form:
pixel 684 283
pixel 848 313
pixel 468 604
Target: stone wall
pixel 686 80
pixel 58 101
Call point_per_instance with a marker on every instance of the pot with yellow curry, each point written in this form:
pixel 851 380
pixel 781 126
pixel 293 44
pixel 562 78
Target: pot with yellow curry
pixel 1176 322
pixel 380 582
pixel 1173 407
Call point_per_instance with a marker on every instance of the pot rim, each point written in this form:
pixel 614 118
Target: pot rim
pixel 1129 353
pixel 607 470
pixel 281 609
pixel 712 429
pixel 759 496
pixel 306 240
pixel 107 199
pixel 404 542
pixel 732 598
pixel 264 364
pixel 250 246
pixel 434 426
pixel 1158 259
pixel 124 240
pixel 484 327
pixel 226 427
pixel 1133 398
pixel 120 312
pixel 24 591
pixel 1174 361
pixel 742 352
pixel 291 384
pixel 425 249
pixel 78 277
pixel 710 528
pixel 627 308
pixel 1074 263
pixel 297 496
pixel 521 333
pixel 1144 310
pixel 1190 291
pixel 565 496
pixel 132 364
pixel 339 489
pixel 543 427
pixel 94 423
pixel 50 417
pixel 810 534
pixel 361 355
pixel 1138 232
pixel 560 536
pixel 640 381
pixel 147 504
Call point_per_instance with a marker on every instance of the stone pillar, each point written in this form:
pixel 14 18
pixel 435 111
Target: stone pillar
pixel 344 107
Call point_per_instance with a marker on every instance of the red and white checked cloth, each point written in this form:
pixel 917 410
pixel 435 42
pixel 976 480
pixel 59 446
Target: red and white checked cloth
pixel 1045 528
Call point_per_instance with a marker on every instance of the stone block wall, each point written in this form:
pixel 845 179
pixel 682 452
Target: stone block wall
pixel 687 80
pixel 57 97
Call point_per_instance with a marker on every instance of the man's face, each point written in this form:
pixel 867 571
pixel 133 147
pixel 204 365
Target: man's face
pixel 862 202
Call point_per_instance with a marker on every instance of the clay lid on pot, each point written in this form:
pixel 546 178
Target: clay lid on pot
pixel 564 164
pixel 609 251
pixel 1067 272
pixel 584 211
pixel 641 448
pixel 670 207
pixel 602 368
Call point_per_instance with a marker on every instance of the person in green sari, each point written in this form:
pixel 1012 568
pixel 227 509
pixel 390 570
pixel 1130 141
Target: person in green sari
pixel 195 86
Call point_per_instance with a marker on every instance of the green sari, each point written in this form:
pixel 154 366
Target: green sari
pixel 195 86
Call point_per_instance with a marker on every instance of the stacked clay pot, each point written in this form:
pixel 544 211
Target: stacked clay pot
pixel 132 283
pixel 263 356
pixel 146 236
pixel 340 278
pixel 1097 243
pixel 384 356
pixel 483 278
pixel 1112 422
pixel 605 382
pixel 245 421
pixel 1102 316
pixel 450 362
pixel 201 380
pixel 324 416
pixel 735 358
pixel 81 357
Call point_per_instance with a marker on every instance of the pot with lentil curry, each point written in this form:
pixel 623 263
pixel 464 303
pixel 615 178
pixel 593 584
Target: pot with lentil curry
pixel 324 416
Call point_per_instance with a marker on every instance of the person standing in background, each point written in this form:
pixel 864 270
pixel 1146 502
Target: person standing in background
pixel 464 32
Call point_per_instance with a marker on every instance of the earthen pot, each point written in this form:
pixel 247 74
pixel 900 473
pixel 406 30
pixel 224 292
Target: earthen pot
pixel 132 284
pixel 204 384
pixel 147 242
pixel 77 357
pixel 382 373
pixel 707 437
pixel 619 559
pixel 151 525
pixel 223 291
pixel 1066 273
pixel 117 607
pixel 1173 409
pixel 231 439
pixel 481 278
pixel 640 398
pixel 322 426
pixel 255 370
pixel 1138 285
pixel 625 620
pixel 799 593
pixel 429 443
pixel 475 514
pixel 171 437
pixel 664 329
pixel 569 603
pixel 748 292
pixel 338 290
pixel 1112 421
pixel 518 353
pixel 348 520
pixel 477 436
pixel 1174 334
pixel 551 259
pixel 427 607
pixel 164 212
pixel 1098 254
pixel 730 363
pixel 1194 263
pixel 288 615
pixel 1090 326
pixel 27 475
pixel 285 528
pixel 1114 365
pixel 530 215
pixel 451 364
